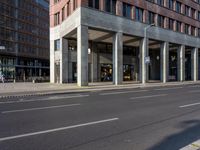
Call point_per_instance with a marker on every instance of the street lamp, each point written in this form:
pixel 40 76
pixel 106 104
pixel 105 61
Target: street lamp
pixel 145 59
pixel 146 28
pixel 145 33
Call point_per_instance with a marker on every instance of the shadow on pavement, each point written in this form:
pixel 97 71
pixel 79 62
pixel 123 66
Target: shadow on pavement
pixel 190 134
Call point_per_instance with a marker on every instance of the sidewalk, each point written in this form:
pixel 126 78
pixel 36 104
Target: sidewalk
pixel 193 146
pixel 31 89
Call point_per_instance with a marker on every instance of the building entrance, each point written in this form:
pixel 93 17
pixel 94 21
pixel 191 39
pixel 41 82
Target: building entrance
pixel 154 66
pixel 173 75
pixel 188 72
pixel 106 72
pixel 128 71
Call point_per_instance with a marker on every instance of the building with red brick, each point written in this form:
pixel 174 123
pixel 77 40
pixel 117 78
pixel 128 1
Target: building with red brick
pixel 120 40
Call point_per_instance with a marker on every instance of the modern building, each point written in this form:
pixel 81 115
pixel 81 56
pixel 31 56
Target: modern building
pixel 120 40
pixel 24 39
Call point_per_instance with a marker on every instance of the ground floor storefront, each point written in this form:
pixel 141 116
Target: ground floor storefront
pixel 100 63
pixel 24 69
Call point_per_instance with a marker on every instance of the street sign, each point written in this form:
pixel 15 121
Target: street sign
pixel 147 60
pixel 2 47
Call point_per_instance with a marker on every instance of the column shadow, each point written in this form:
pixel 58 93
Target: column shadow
pixel 179 140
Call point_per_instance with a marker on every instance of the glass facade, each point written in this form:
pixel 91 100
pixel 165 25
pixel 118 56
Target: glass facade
pixel 24 30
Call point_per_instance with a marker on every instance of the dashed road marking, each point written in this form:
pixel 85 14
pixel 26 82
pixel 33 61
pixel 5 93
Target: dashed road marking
pixel 38 108
pixel 56 129
pixel 44 99
pixel 194 91
pixel 122 92
pixel 189 105
pixel 149 96
pixel 172 88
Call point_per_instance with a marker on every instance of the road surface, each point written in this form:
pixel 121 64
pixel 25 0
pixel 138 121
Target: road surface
pixel 159 118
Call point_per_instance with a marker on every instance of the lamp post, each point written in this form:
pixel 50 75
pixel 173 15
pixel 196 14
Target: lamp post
pixel 146 58
pixel 146 28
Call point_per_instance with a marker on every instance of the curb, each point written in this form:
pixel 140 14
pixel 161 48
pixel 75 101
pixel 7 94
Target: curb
pixel 91 89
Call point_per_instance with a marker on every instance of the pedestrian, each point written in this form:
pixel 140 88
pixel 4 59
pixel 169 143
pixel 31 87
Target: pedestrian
pixel 2 78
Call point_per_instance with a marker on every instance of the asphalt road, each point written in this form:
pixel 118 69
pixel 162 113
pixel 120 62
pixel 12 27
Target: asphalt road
pixel 160 118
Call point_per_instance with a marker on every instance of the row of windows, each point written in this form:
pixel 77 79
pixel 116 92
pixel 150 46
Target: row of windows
pixel 26 49
pixel 110 6
pixel 9 61
pixel 65 12
pixel 160 21
pixel 10 46
pixel 171 24
pixel 102 47
pixel 7 34
pixel 179 8
pixel 107 48
pixel 8 10
pixel 139 15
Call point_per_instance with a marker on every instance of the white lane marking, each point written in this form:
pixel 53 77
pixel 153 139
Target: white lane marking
pixel 45 99
pixel 38 108
pixel 162 89
pixel 123 92
pixel 56 129
pixel 149 96
pixel 196 86
pixel 189 105
pixel 194 91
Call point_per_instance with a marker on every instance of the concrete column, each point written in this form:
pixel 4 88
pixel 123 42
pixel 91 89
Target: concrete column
pixel 64 60
pixel 119 7
pixel 164 62
pixel 145 16
pixel 82 55
pixel 181 63
pixel 166 23
pixel 144 51
pixel 182 8
pixel 101 5
pixel 166 3
pixel 174 25
pixel 70 73
pixel 133 12
pixel 156 20
pixel 194 67
pixel 117 58
pixel 182 27
pixel 94 67
pixel 72 5
pixel 52 61
pixel 196 32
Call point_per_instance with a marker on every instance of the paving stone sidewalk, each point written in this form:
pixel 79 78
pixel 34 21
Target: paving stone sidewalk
pixel 30 89
pixel 193 146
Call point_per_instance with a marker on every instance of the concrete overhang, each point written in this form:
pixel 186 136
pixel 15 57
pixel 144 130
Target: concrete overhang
pixel 102 25
pixel 103 20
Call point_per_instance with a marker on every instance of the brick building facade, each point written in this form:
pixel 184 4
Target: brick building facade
pixel 117 37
